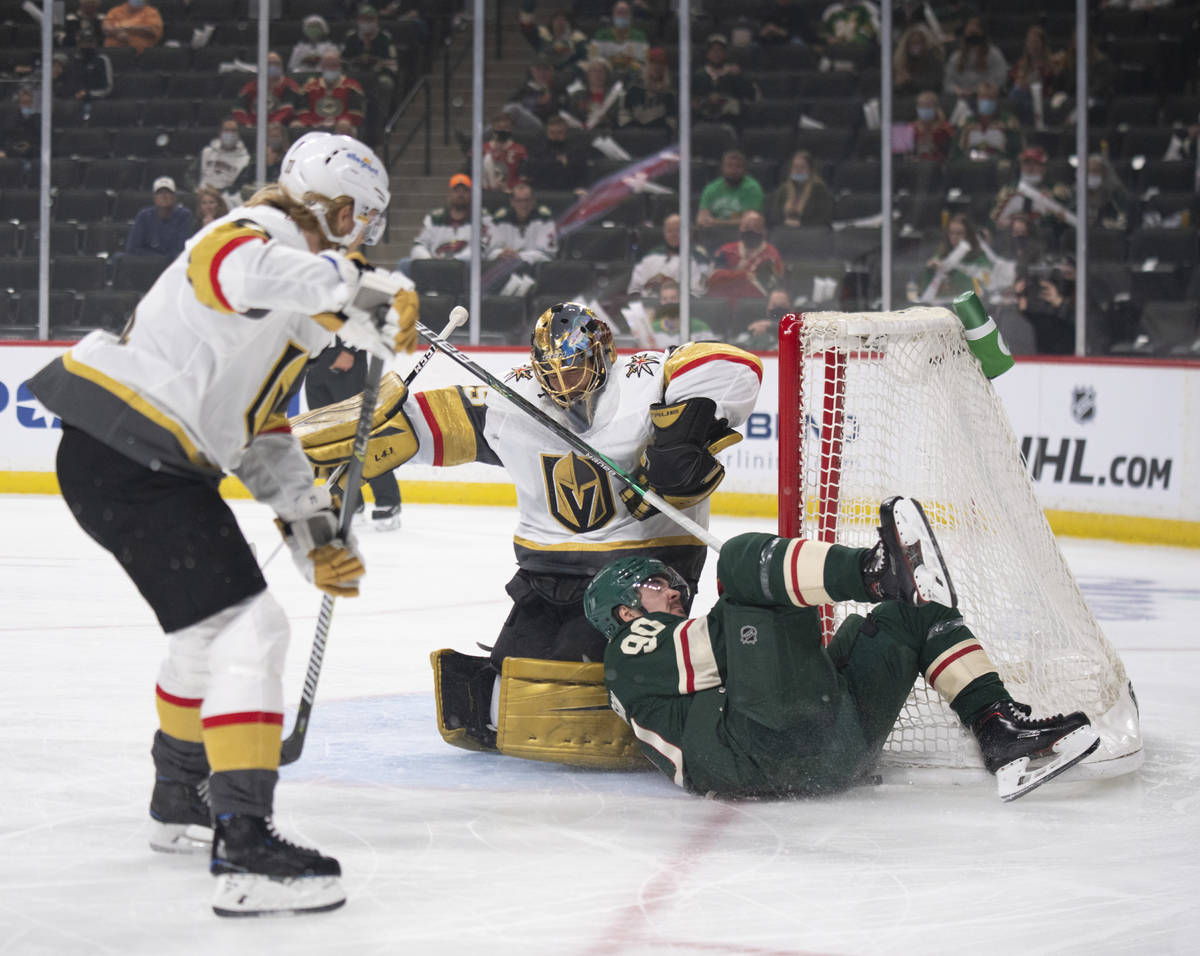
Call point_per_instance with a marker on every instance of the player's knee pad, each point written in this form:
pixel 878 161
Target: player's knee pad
pixel 247 657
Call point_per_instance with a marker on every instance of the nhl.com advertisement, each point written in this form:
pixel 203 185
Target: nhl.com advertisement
pixel 1100 437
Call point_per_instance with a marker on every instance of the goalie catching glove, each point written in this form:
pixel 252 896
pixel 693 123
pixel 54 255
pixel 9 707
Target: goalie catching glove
pixel 381 316
pixel 679 463
pixel 325 559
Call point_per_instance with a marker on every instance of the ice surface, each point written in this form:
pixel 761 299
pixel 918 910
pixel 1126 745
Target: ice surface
pixel 446 851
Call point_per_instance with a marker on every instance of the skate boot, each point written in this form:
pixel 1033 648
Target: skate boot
pixel 906 563
pixel 1024 752
pixel 259 873
pixel 180 818
pixel 386 519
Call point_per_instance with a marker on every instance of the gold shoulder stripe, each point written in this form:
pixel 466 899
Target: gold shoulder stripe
pixel 453 431
pixel 693 354
pixel 204 261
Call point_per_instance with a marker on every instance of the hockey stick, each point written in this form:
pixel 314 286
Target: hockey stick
pixel 573 440
pixel 289 750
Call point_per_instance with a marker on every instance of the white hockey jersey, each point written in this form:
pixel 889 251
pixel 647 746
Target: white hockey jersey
pixel 199 381
pixel 571 519
pixel 534 241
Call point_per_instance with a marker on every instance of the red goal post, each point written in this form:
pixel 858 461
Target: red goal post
pixel 877 404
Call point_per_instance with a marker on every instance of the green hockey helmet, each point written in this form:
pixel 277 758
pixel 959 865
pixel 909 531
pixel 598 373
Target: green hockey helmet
pixel 620 582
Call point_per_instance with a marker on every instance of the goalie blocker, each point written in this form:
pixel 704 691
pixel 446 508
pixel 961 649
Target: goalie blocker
pixel 556 711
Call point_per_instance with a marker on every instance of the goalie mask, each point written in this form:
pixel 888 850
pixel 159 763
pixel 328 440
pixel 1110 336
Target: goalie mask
pixel 621 582
pixel 572 352
pixel 321 167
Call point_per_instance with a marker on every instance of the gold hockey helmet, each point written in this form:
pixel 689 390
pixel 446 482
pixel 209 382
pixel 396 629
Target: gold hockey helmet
pixel 572 351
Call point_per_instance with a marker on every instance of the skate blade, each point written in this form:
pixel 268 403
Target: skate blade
pixel 1015 779
pixel 253 894
pixel 929 571
pixel 180 837
pixel 386 524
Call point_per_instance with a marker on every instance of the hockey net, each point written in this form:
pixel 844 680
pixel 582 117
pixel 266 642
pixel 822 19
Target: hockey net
pixel 879 404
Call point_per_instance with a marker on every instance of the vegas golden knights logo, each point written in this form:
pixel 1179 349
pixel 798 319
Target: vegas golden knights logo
pixel 577 493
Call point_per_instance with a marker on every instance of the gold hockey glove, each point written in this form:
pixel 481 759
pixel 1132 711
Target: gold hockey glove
pixel 680 463
pixel 325 559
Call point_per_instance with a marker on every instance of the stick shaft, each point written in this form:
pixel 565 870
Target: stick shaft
pixel 572 439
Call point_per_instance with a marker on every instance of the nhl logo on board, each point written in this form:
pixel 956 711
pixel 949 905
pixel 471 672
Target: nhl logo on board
pixel 1083 403
pixel 749 634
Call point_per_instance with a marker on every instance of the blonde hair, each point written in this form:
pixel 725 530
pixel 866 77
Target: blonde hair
pixel 277 197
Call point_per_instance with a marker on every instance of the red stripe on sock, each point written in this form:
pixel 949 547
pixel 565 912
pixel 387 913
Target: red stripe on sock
pixel 970 648
pixel 245 717
pixel 178 701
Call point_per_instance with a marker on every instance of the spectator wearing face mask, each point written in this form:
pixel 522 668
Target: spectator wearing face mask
pixel 762 335
pixel 802 199
pixel 331 96
pixel 88 75
pixel 749 267
pixel 992 131
pixel 726 198
pixel 223 159
pixel 622 44
pixel 975 61
pixel 932 135
pixel 135 24
pixel 556 163
pixel 370 52
pixel 283 96
pixel 1015 197
pixel 88 15
pixel 312 45
pixel 277 144
pixel 1107 198
pixel 503 158
pixel 21 137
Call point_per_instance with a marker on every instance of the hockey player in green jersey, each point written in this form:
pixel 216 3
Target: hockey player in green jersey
pixel 746 701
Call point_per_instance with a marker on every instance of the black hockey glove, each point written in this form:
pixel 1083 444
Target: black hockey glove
pixel 679 463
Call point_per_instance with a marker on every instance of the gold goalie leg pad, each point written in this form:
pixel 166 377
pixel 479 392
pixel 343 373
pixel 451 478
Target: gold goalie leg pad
pixel 462 688
pixel 558 711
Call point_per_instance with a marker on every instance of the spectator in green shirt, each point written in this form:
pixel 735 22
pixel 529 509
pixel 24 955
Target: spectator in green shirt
pixel 725 199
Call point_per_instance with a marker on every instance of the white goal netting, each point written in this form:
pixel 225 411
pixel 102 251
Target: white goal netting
pixel 878 404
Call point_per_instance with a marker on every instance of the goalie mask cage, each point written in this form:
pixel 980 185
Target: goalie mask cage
pixel 880 404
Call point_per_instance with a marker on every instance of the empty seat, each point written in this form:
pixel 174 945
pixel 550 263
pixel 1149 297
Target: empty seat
pixel 82 205
pixel 81 273
pixel 12 235
pixel 829 85
pixel 826 145
pixel 104 238
pixel 768 142
pixel 597 244
pixel 107 309
pixel 797 243
pixel 973 178
pixel 19 273
pixel 564 279
pixel 137 273
pixel 124 173
pixel 841 113
pixel 116 112
pixel 713 312
pixel 81 142
pixel 64 309
pixel 711 140
pixel 640 142
pixel 444 276
pixel 857 206
pixel 166 59
pixel 14 172
pixel 168 113
pixel 774 111
pixel 193 85
pixel 505 314
pixel 64 239
pixel 1170 325
pixel 1175 246
pixel 1172 176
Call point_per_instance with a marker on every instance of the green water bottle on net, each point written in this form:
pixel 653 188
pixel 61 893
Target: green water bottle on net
pixel 983 337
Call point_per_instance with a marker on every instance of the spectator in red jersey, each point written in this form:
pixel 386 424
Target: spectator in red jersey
pixel 330 96
pixel 283 96
pixel 749 267
pixel 932 135
pixel 502 157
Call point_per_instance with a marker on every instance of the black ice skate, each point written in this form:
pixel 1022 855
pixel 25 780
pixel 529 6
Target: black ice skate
pixel 259 873
pixel 1023 752
pixel 181 821
pixel 386 519
pixel 906 564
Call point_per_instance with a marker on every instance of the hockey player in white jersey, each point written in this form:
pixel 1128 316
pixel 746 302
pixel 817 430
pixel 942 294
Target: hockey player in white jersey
pixel 197 387
pixel 660 415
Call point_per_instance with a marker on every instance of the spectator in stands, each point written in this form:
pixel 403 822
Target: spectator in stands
pixel 1107 198
pixel 556 163
pixel 932 134
pixel 748 267
pixel 521 235
pixel 283 96
pixel 919 63
pixel 22 134
pixel 661 264
pixel 1033 77
pixel 948 273
pixel 853 23
pixel 541 95
pixel 975 61
pixel 163 228
pixel 134 23
pixel 369 51
pixel 731 194
pixel 663 321
pixel 503 157
pixel 802 199
pixel 210 206
pixel 594 103
pixel 718 87
pixel 88 15
pixel 762 335
pixel 223 159
pixel 651 100
pixel 314 44
pixel 1102 72
pixel 992 132
pixel 1015 197
pixel 1046 298
pixel 331 96
pixel 558 41
pixel 784 21
pixel 620 43
pixel 446 232
pixel 88 75
pixel 247 183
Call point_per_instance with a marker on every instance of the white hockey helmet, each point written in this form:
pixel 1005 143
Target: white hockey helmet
pixel 320 167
